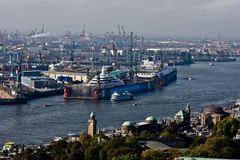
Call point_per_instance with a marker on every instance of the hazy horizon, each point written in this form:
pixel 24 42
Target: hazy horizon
pixel 189 18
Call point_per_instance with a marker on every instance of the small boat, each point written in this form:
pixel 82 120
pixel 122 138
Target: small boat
pixel 48 105
pixel 121 96
pixel 188 78
pixel 211 64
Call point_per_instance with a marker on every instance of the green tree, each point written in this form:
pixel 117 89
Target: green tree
pixel 216 147
pixel 128 156
pixel 227 127
pixel 160 155
pixel 119 147
pixel 25 155
pixel 4 153
pixel 229 152
pixel 86 140
pixel 168 132
pixel 197 152
pixel 92 152
pixel 197 141
pixel 42 154
pixel 58 150
pixel 75 152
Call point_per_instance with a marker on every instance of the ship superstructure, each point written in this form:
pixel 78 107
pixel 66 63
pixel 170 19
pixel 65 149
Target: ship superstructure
pixel 151 69
pixel 105 80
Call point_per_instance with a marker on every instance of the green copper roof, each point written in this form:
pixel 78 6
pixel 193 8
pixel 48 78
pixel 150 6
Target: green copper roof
pixel 127 124
pixel 150 119
pixel 92 115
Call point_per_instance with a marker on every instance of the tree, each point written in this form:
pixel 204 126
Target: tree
pixel 92 152
pixel 160 155
pixel 198 141
pixel 4 153
pixel 229 152
pixel 26 154
pixel 168 132
pixel 119 147
pixel 197 152
pixel 74 151
pixel 216 147
pixel 58 149
pixel 129 156
pixel 42 154
pixel 227 127
pixel 86 140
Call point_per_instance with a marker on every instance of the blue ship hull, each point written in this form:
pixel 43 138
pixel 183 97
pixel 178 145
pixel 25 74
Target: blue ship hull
pixel 131 88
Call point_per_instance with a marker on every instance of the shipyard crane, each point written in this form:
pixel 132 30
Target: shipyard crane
pixel 119 31
pixel 83 34
pixel 43 27
pixel 123 30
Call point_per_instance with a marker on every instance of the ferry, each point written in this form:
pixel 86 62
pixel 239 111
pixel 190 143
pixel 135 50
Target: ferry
pixel 121 96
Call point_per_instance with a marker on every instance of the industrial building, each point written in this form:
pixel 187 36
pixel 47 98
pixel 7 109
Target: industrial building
pixel 81 77
pixel 34 79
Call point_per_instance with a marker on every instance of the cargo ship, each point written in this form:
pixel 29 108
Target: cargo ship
pixel 147 77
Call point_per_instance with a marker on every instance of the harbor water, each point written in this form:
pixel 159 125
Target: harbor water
pixel 42 119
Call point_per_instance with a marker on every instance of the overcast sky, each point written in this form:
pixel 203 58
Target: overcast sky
pixel 145 17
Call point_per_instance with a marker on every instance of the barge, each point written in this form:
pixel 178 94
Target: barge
pixel 7 101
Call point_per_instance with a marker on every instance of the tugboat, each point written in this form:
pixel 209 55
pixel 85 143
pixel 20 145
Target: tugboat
pixel 121 96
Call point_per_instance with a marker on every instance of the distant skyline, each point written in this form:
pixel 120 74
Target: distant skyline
pixel 151 18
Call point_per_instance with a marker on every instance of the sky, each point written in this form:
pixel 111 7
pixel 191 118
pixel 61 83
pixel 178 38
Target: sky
pixel 154 18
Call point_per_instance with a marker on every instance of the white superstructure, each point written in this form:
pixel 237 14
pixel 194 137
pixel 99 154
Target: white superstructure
pixel 150 69
pixel 105 80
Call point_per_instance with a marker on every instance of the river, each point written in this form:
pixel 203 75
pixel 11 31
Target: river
pixel 33 123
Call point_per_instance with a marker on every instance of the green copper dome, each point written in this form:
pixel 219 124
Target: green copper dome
pixel 92 115
pixel 127 124
pixel 150 119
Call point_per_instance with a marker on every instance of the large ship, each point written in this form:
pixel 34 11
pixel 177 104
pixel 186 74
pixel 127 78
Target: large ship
pixel 149 76
pixel 151 69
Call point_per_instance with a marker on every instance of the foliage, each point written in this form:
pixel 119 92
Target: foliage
pixel 4 153
pixel 168 132
pixel 197 141
pixel 29 154
pixel 147 134
pixel 160 155
pixel 92 152
pixel 216 147
pixel 75 151
pixel 129 156
pixel 119 147
pixel 227 127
